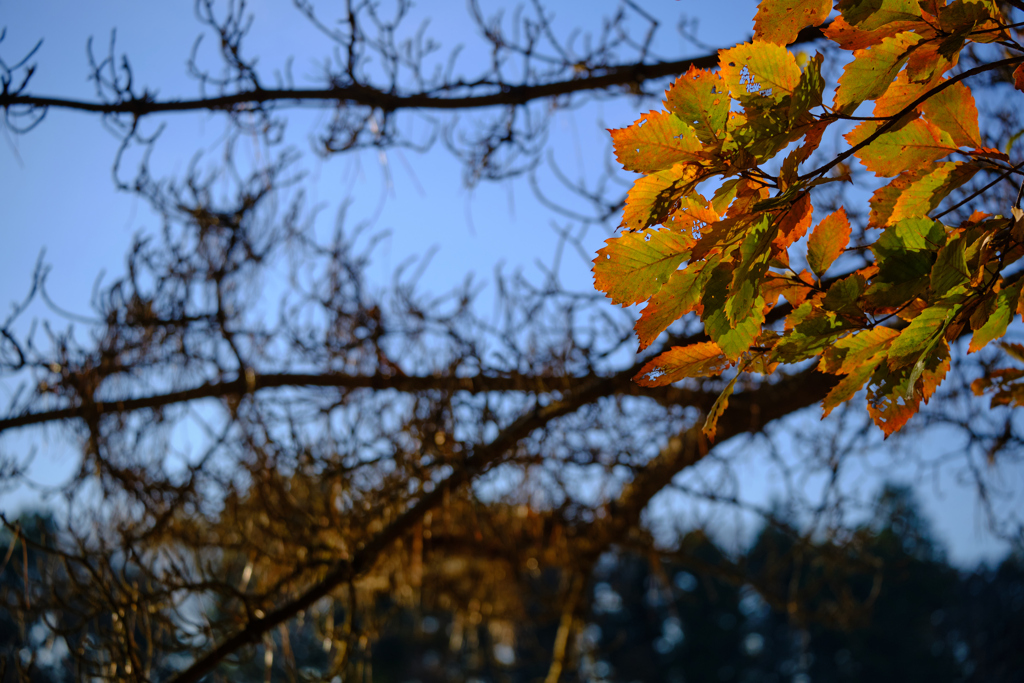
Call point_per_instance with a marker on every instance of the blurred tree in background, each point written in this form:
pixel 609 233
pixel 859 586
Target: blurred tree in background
pixel 287 472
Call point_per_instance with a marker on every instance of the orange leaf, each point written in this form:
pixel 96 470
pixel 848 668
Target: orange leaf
pixel 892 402
pixel 693 214
pixel 900 94
pixel 927 191
pixel 655 142
pixel 635 265
pixel 653 197
pixel 913 145
pixel 828 241
pixel 794 223
pixel 759 69
pixel 883 200
pixel 1018 77
pixel 954 111
pixel 933 58
pixel 851 38
pixel 779 21
pixel 703 359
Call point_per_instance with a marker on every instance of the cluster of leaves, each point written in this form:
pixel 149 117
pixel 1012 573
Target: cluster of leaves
pixel 745 130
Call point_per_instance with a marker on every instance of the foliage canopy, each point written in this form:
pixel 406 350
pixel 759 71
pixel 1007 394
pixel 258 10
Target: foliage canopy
pixel 744 135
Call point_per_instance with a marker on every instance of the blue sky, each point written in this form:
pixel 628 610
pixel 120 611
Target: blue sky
pixel 59 196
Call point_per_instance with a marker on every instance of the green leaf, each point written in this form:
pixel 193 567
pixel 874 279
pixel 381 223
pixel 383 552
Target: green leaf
pixel 873 70
pixel 635 265
pixel 999 318
pixel 869 15
pixel 732 336
pixel 950 269
pixel 853 351
pixel 750 269
pixel 849 385
pixel 701 99
pixel 893 399
pixel 918 335
pixel 926 191
pixel 905 252
pixel 680 295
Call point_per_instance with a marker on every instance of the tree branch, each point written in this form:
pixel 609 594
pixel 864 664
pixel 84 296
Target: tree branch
pixel 369 96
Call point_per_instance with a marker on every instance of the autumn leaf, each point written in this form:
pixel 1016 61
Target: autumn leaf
pixel 953 110
pixel 950 269
pixel 872 71
pixel 916 336
pixel 849 385
pixel 653 197
pixel 794 223
pixel 849 353
pixel 703 359
pixel 900 94
pixel 759 69
pixel 852 38
pixel 655 142
pixel 779 21
pixel 874 14
pixel 679 296
pixel 896 150
pixel 926 192
pixel 721 403
pixel 701 99
pixel 1018 77
pixel 893 399
pixel 635 265
pixel 998 319
pixel 828 241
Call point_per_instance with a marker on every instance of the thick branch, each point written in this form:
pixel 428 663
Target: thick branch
pixel 534 384
pixel 369 96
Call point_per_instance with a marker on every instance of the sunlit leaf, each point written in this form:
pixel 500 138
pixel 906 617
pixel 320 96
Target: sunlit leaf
pixel 869 15
pixel 828 241
pixel 655 142
pixel 701 99
pixel 635 265
pixel 779 21
pixel 915 143
pixel 953 110
pixel 704 359
pixel 849 353
pixel 653 197
pixel 872 70
pixel 926 192
pixel 760 69
pixel 679 296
